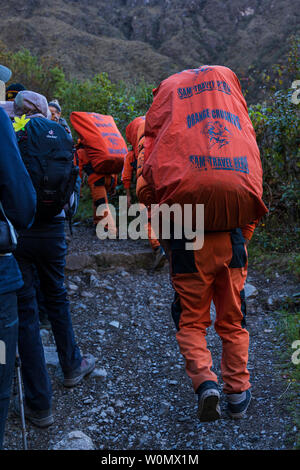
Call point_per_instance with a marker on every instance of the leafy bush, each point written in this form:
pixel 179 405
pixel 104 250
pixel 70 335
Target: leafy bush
pixel 123 101
pixel 277 128
pixel 42 76
pixel 277 125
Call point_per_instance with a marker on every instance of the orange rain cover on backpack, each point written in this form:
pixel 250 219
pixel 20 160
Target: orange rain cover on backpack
pixel 200 147
pixel 102 140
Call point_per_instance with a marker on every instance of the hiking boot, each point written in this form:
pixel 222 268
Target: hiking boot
pixel 40 418
pixel 160 257
pixel 44 321
pixel 45 324
pixel 208 402
pixel 237 404
pixel 73 378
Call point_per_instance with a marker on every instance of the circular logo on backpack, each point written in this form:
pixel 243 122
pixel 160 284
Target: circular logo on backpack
pixel 51 134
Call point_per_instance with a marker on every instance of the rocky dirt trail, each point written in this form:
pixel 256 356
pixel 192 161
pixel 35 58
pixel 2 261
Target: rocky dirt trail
pixel 139 396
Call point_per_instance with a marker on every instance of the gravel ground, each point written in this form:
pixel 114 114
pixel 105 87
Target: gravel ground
pixel 140 396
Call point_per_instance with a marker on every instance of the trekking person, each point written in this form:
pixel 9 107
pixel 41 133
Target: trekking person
pixel 18 200
pixel 135 135
pixel 101 186
pixel 100 151
pixel 47 151
pixel 200 148
pixel 55 110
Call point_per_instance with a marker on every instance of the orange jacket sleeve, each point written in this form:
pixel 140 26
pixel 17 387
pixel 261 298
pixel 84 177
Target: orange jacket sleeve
pixel 248 230
pixel 141 157
pixel 82 160
pixel 144 191
pixel 128 169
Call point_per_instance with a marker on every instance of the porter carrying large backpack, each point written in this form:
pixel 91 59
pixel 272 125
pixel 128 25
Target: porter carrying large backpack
pixel 47 151
pixel 200 148
pixel 102 141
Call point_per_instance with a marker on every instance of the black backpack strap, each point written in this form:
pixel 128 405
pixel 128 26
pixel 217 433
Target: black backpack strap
pixel 76 156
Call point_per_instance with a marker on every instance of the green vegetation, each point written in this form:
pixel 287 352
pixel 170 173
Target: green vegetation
pixel 121 100
pixel 42 76
pixel 277 126
pixel 288 332
pixel 85 208
pixel 275 245
pixel 276 121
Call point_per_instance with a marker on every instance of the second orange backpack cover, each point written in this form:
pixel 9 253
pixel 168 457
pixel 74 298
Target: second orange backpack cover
pixel 102 140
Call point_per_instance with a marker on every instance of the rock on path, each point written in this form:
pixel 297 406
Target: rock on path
pixel 139 396
pixel 75 440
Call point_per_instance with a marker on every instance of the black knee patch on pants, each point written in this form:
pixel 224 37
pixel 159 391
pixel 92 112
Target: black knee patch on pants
pixel 243 307
pixel 239 255
pixel 176 310
pixel 88 169
pixel 100 182
pixel 183 261
pixel 99 202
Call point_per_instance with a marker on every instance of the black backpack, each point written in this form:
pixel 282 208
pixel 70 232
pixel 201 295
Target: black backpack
pixel 47 151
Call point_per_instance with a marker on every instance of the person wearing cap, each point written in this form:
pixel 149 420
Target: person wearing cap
pixel 55 110
pixel 13 90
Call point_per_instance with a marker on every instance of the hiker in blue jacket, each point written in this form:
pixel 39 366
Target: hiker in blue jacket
pixel 18 199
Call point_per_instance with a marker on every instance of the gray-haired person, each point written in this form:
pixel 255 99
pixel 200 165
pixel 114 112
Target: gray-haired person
pixel 55 110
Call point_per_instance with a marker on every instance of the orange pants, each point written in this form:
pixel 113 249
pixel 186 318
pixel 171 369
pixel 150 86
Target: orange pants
pixel 216 272
pixel 154 243
pixel 98 187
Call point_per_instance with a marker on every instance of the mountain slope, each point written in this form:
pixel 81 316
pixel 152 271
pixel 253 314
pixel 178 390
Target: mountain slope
pixel 131 39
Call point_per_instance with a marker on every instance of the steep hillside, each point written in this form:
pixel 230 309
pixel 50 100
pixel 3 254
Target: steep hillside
pixel 149 38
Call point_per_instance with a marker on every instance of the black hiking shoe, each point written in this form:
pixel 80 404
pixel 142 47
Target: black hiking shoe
pixel 237 406
pixel 44 320
pixel 45 324
pixel 160 258
pixel 40 418
pixel 208 402
pixel 86 367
